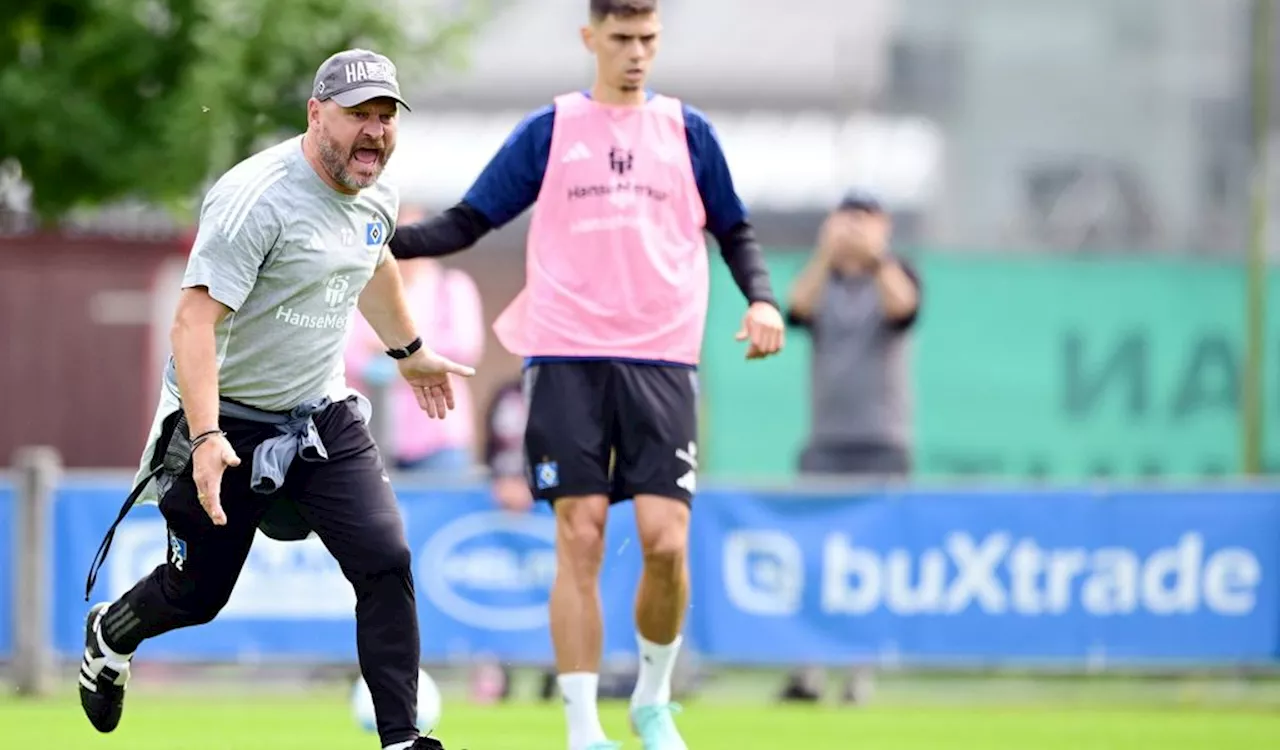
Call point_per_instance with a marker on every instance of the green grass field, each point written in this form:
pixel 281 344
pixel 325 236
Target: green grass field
pixel 319 721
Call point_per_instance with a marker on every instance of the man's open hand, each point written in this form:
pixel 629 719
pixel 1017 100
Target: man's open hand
pixel 430 376
pixel 208 461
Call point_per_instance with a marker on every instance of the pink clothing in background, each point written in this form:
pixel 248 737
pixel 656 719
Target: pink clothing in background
pixel 616 263
pixel 446 309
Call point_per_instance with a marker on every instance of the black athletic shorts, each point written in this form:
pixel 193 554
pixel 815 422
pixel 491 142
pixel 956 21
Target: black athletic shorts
pixel 611 427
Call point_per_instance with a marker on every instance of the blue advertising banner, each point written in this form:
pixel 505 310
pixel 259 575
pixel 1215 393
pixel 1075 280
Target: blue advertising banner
pixel 778 578
pixel 990 576
pixel 483 578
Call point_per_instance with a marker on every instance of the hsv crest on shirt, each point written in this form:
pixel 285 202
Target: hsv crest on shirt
pixel 617 264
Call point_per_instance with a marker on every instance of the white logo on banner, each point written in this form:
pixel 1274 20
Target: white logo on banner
pixel 764 572
pixel 996 574
pixel 455 574
pixel 280 580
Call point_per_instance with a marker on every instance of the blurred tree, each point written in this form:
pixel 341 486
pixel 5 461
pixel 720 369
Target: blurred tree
pixel 110 99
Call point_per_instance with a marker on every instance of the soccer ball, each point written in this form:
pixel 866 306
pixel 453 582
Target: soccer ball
pixel 428 704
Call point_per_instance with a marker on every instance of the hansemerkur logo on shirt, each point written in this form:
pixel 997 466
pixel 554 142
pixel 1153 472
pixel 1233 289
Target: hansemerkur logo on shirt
pixel 335 291
pixel 621 192
pixel 337 298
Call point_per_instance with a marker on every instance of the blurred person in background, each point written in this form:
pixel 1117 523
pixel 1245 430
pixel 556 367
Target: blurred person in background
pixel 504 447
pixel 623 184
pixel 858 302
pixel 446 302
pixel 255 413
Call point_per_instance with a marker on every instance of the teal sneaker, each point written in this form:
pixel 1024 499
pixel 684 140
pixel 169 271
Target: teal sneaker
pixel 655 727
pixel 606 745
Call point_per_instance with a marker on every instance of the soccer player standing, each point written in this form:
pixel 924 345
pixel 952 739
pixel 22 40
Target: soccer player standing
pixel 256 427
pixel 623 183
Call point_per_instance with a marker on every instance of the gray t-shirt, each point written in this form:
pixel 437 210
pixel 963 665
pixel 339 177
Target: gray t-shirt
pixel 861 386
pixel 289 255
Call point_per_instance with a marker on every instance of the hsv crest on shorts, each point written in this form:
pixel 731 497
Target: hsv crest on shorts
pixel 547 475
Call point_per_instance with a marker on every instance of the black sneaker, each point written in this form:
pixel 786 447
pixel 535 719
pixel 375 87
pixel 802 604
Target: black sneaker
pixel 426 743
pixel 101 686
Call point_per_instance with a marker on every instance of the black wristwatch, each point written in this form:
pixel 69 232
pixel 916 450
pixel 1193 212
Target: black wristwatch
pixel 404 353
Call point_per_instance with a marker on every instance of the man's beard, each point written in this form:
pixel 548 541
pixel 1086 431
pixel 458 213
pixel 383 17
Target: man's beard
pixel 335 161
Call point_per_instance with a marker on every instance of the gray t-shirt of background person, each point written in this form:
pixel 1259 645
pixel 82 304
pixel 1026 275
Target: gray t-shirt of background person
pixel 860 376
pixel 289 255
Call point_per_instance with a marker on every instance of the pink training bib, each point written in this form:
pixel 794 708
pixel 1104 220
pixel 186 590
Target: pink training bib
pixel 616 263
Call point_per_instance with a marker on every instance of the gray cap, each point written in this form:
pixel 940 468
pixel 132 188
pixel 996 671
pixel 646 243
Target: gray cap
pixel 355 76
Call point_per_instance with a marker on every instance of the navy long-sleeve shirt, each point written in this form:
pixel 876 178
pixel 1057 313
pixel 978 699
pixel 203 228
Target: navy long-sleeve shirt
pixel 512 179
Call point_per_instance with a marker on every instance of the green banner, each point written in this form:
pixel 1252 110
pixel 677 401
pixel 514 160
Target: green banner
pixel 1026 366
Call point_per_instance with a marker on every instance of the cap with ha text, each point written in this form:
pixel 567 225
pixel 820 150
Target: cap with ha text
pixel 355 76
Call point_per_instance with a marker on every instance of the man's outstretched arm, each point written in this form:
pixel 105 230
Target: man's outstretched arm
pixel 508 185
pixel 453 231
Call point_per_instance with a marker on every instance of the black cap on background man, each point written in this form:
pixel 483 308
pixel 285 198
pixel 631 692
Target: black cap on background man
pixel 861 200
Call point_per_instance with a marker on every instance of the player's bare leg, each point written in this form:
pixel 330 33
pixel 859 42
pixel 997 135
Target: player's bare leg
pixel 663 595
pixel 576 627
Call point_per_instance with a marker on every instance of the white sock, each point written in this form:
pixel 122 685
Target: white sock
pixel 114 659
pixel 400 746
pixel 657 662
pixel 580 709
